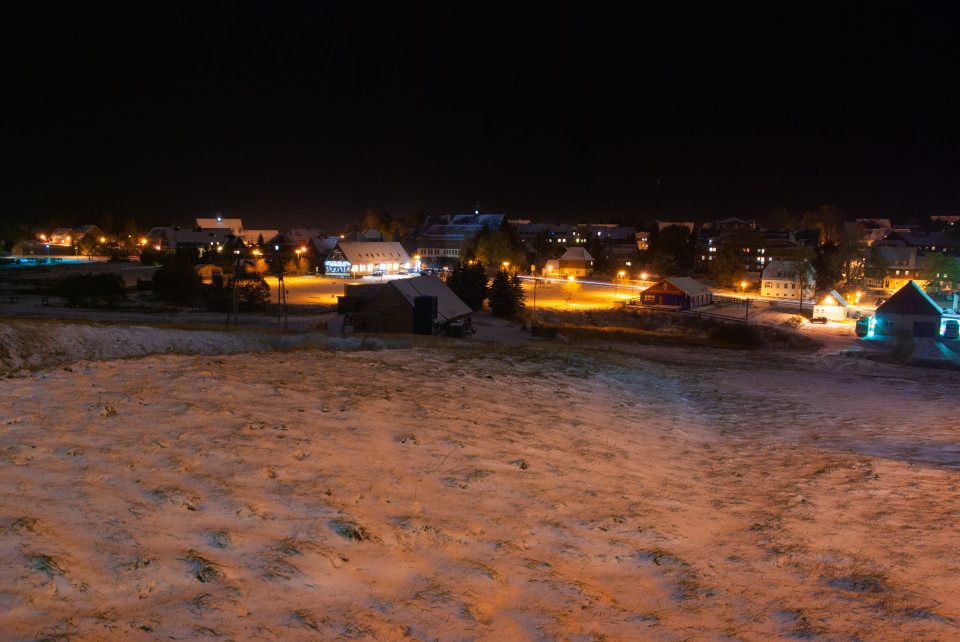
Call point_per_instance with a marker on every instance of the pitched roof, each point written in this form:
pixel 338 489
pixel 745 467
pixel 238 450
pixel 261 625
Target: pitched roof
pixel 688 285
pixel 839 298
pixel 449 305
pixel 786 270
pixel 909 299
pixel 459 225
pixel 232 224
pixel 576 254
pixel 373 252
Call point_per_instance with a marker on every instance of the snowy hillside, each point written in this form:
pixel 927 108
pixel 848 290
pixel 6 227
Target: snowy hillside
pixel 467 491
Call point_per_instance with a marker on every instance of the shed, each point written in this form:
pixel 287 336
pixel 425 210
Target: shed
pixel 681 293
pixel 833 306
pixel 420 305
pixel 910 309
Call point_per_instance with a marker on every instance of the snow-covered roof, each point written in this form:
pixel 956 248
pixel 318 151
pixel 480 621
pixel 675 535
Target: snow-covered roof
pixel 688 285
pixel 785 270
pixel 253 236
pixel 373 252
pixel 839 298
pixel 449 305
pixel 458 225
pixel 233 225
pixel 189 237
pixel 576 254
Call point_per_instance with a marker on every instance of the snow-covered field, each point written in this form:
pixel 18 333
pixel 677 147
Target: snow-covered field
pixel 269 486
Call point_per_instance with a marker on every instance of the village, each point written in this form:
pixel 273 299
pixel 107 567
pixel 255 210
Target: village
pixel 420 282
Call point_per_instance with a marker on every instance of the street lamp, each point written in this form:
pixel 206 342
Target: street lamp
pixel 620 274
pixel 299 250
pixel 506 265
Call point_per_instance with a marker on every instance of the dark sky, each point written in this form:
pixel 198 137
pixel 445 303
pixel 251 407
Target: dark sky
pixel 308 114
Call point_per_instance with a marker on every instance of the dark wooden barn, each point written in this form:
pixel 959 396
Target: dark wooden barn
pixel 680 293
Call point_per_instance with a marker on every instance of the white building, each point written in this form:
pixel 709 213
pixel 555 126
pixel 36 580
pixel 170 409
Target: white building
pixel 833 306
pixel 360 258
pixel 782 279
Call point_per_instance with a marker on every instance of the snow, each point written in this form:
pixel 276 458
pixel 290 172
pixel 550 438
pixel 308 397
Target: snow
pixel 253 485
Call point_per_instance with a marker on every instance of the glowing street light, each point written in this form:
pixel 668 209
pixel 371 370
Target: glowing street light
pixel 299 250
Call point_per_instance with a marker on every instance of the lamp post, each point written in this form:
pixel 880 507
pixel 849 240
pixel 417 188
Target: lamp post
pixel 620 275
pixel 299 250
pixel 746 307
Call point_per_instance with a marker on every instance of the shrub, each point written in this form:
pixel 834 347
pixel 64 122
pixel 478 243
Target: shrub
pixel 737 334
pixel 470 284
pixel 503 296
pixel 177 282
pixel 903 346
pixel 91 289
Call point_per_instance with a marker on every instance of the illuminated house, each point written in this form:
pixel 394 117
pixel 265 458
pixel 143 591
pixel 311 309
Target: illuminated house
pixel 575 262
pixel 783 279
pixel 62 236
pixel 833 307
pixel 681 293
pixel 359 258
pixel 909 309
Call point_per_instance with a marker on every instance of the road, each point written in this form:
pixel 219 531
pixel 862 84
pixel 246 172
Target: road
pixel 321 289
pixel 549 294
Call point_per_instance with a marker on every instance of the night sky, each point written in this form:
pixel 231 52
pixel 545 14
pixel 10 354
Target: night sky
pixel 289 114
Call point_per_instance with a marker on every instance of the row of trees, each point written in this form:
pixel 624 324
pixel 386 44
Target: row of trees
pixel 178 283
pixel 471 283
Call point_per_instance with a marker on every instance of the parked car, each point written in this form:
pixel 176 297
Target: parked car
pixel 820 320
pixel 863 326
pixel 951 329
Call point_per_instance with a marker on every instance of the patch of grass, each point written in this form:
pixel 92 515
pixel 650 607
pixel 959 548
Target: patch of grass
pixel 221 539
pixel 350 530
pixel 46 564
pixel 861 582
pixel 308 621
pixel 660 557
pixel 736 334
pixel 202 568
pixel 23 525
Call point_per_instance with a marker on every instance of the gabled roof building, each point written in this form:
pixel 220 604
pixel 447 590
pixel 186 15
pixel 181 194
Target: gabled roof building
pixel 909 309
pixel 360 258
pixel 442 235
pixel 679 293
pixel 420 305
